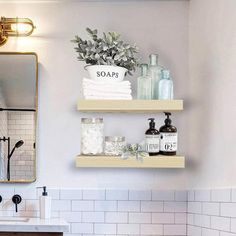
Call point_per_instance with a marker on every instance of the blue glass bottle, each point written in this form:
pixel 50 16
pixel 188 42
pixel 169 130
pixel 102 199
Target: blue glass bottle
pixel 144 84
pixel 165 86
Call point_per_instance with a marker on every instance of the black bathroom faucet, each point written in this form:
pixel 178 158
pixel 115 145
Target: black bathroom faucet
pixel 16 199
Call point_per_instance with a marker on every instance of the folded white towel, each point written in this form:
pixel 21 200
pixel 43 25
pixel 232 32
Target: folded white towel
pixel 99 90
pixel 90 82
pixel 106 97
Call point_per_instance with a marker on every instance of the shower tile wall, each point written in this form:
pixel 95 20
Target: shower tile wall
pixel 108 212
pixel 21 125
pixel 212 212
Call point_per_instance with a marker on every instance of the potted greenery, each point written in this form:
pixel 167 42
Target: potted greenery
pixel 108 57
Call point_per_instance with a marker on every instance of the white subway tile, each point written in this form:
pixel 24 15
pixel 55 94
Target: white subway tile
pixel 220 223
pixel 181 196
pixel 233 225
pixel 32 205
pixel 94 217
pixel 71 194
pixel 104 228
pixel 132 229
pixel 61 205
pixel 221 195
pixel 105 205
pixel 140 195
pixel 70 216
pixel 233 195
pixel 195 207
pixel 27 193
pixel 151 229
pixel 191 196
pixel 52 192
pixel 112 194
pixel 139 218
pixel 31 214
pixel 210 208
pixel 181 218
pixel 227 234
pixel 116 217
pixel 152 206
pixel 163 218
pixel 7 193
pixel 228 209
pixel 210 232
pixel 129 206
pixel 202 195
pixel 202 220
pixel 93 194
pixel 190 219
pixel 82 205
pixel 194 230
pixel 81 228
pixel 175 230
pixel 165 195
pixel 175 207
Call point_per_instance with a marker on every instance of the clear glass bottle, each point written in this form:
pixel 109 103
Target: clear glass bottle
pixel 154 71
pixel 144 84
pixel 166 86
pixel 92 137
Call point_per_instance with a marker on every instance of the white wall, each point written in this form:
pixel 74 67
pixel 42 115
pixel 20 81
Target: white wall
pixel 156 26
pixel 212 109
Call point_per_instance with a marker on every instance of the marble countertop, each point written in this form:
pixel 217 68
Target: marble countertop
pixel 10 224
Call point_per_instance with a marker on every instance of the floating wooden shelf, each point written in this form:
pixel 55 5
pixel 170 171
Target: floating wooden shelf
pixel 117 162
pixel 129 106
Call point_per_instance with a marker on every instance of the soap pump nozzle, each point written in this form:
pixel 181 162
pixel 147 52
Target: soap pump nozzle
pixel 44 193
pixel 152 123
pixel 167 120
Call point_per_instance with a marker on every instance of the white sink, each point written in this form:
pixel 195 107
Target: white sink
pixel 13 219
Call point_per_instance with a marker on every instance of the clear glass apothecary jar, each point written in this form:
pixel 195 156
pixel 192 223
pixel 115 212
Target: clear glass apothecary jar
pixel 114 145
pixel 92 136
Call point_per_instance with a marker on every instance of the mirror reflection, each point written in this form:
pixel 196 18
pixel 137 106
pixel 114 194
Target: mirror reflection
pixel 18 115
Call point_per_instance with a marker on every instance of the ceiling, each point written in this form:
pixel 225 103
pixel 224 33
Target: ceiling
pixel 18 80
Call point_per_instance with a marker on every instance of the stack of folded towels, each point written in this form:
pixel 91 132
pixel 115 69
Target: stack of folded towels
pixel 93 89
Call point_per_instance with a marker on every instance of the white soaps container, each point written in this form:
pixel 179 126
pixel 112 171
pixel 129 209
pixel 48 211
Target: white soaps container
pixel 45 204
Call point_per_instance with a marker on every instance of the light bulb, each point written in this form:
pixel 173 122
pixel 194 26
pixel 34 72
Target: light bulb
pixel 21 28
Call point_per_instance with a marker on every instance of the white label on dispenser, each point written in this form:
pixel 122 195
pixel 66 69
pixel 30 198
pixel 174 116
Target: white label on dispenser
pixel 168 142
pixel 152 143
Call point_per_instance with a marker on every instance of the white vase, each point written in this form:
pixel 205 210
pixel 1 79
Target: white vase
pixel 106 72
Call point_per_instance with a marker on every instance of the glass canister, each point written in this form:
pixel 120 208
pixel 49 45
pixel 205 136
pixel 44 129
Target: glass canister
pixel 114 145
pixel 92 137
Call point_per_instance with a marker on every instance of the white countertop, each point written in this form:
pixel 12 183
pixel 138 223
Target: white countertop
pixel 10 224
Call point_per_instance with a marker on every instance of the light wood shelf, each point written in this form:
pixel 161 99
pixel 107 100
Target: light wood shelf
pixel 129 106
pixel 116 162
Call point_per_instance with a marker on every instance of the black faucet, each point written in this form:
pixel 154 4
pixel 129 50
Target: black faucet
pixel 0 198
pixel 16 199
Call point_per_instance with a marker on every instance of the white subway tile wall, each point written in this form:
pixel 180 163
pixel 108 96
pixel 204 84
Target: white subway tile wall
pixel 108 212
pixel 211 212
pixel 21 126
pixel 133 212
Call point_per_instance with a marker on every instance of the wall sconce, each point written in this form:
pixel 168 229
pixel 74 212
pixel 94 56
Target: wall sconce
pixel 14 27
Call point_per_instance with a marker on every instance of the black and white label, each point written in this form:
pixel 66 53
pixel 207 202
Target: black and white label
pixel 169 142
pixel 152 143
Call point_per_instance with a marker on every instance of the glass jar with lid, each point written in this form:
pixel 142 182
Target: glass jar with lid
pixel 92 136
pixel 114 145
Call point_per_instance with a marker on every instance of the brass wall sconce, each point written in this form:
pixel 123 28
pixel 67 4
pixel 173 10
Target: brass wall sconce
pixel 15 27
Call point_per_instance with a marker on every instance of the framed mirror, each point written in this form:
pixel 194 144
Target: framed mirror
pixel 18 116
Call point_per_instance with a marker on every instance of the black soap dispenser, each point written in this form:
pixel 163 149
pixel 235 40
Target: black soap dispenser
pixel 152 139
pixel 169 137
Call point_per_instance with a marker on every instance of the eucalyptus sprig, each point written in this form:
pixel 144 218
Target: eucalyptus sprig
pixel 106 50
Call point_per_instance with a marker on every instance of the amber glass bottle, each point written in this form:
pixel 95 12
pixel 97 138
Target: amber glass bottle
pixel 168 137
pixel 152 139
